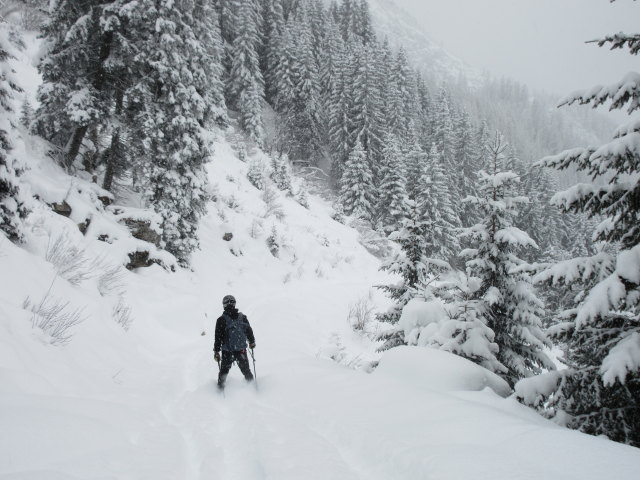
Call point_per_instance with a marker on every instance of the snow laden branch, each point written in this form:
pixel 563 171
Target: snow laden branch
pixel 620 40
pixel 620 93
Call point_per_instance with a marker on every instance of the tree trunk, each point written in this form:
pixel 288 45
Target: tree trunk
pixel 98 84
pixel 112 158
pixel 74 145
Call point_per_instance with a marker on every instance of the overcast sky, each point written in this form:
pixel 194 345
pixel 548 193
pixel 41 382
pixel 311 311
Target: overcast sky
pixel 539 42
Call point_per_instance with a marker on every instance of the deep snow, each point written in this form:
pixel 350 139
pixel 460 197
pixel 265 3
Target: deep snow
pixel 143 403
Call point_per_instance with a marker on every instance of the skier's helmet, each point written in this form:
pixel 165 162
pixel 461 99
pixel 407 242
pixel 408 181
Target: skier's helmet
pixel 228 300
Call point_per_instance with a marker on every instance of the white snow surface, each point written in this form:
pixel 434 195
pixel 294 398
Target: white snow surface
pixel 141 403
pixel 437 370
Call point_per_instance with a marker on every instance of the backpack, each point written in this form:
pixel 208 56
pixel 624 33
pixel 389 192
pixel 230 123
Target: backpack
pixel 236 336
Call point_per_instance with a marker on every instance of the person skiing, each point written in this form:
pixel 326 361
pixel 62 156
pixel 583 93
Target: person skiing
pixel 232 332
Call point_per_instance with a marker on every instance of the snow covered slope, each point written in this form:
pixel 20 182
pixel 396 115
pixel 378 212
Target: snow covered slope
pixel 131 394
pixel 143 404
pixel 393 22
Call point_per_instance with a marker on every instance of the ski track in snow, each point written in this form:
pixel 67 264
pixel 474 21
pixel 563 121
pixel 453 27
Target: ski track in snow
pixel 242 435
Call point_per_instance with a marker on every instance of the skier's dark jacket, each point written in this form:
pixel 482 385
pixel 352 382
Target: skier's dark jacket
pixel 232 318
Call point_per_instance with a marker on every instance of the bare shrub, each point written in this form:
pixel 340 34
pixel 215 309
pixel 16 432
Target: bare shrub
pixel 69 260
pixel 54 317
pixel 361 313
pixel 122 314
pixel 111 281
pixel 257 229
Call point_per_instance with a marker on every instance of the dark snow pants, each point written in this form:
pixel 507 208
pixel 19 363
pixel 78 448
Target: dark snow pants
pixel 227 360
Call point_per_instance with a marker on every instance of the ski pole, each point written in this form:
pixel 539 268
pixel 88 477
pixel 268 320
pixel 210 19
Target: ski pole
pixel 255 375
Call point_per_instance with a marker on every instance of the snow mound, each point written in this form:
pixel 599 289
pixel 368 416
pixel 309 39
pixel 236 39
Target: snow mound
pixel 439 370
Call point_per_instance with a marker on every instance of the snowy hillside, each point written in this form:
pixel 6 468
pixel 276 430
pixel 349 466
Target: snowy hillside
pixel 400 28
pixel 128 389
pixel 142 403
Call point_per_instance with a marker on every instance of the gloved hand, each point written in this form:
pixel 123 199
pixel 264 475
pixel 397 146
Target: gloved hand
pixel 252 346
pixel 216 356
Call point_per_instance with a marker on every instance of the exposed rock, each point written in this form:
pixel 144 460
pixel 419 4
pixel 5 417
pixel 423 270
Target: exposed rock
pixel 227 237
pixel 139 260
pixel 63 208
pixel 106 201
pixel 84 226
pixel 141 229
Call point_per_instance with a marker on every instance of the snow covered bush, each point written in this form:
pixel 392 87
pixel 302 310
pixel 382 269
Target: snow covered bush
pixel 454 323
pixel 257 173
pixel 281 173
pixel 338 213
pixel 600 391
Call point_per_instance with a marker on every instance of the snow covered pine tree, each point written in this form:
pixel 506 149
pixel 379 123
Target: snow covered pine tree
pixel 12 203
pixel 507 300
pixel 600 391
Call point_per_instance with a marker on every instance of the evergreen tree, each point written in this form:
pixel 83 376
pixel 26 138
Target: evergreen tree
pixel 425 113
pixel 208 69
pixel 281 174
pixel 167 130
pixel 392 203
pixel 443 130
pixel 507 301
pixel 272 34
pixel 404 101
pixel 77 90
pixel 284 75
pixel 435 207
pixel 303 196
pixel 599 393
pixel 363 25
pixel 464 333
pixel 301 118
pixel 463 153
pixel 410 263
pixel 330 58
pixel 356 187
pixel 12 198
pixel 256 173
pixel 365 116
pixel 339 113
pixel 417 161
pixel 26 113
pixel 245 85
